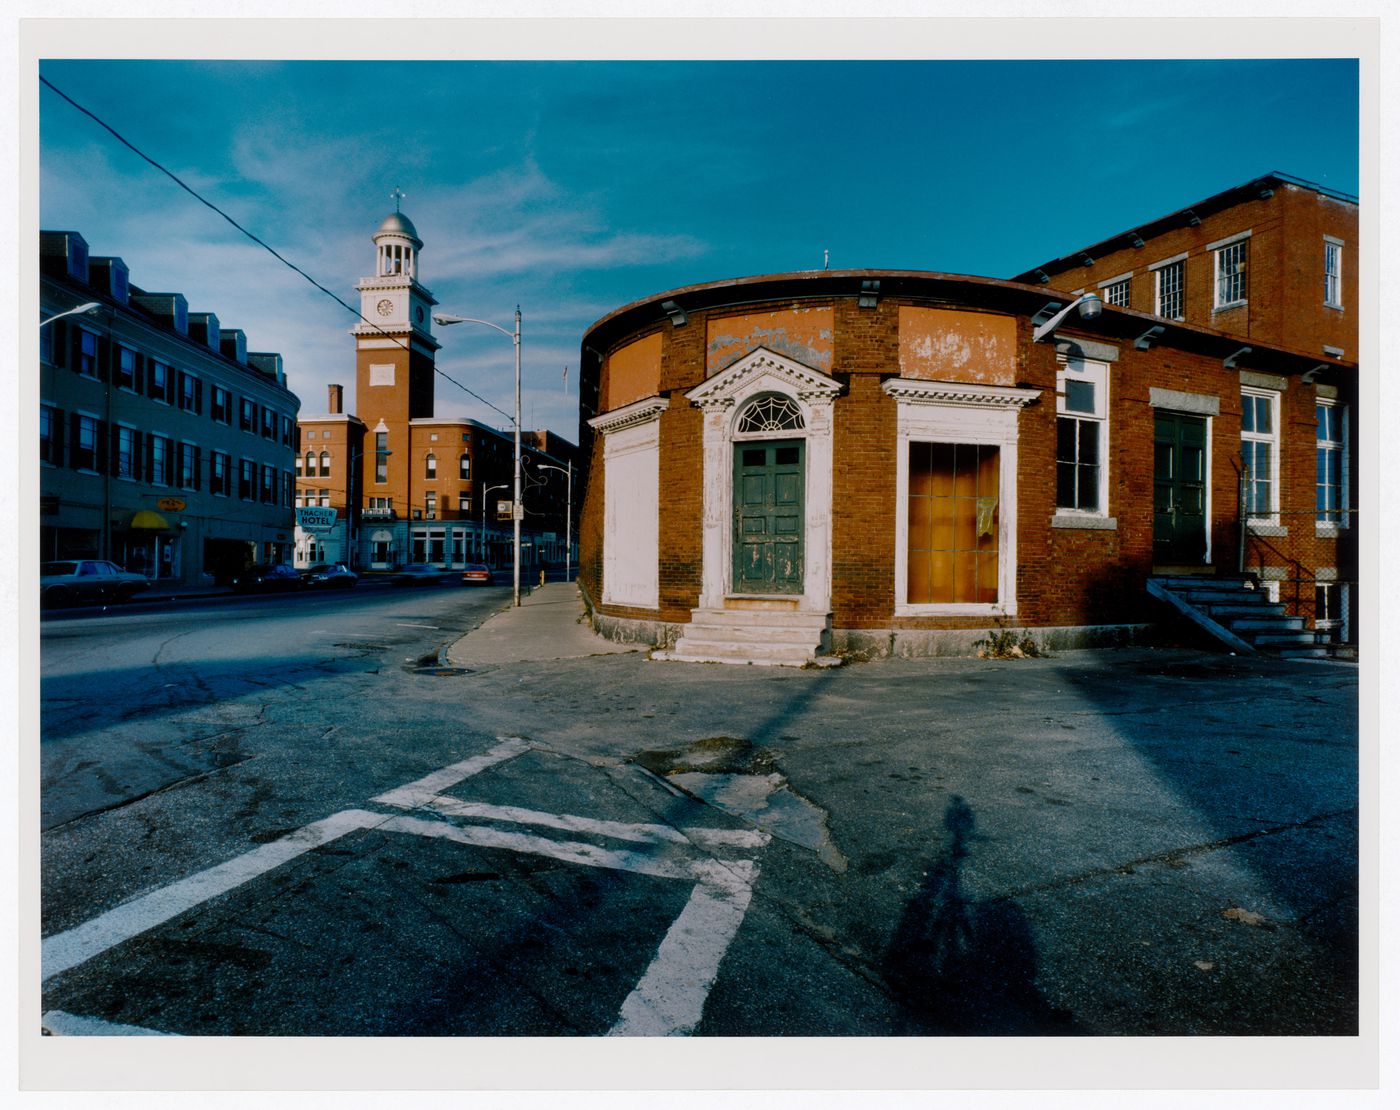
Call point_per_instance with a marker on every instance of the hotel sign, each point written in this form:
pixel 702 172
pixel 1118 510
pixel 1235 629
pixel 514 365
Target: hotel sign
pixel 316 519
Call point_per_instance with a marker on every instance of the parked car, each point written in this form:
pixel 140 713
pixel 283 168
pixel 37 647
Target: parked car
pixel 417 574
pixel 330 576
pixel 477 574
pixel 75 580
pixel 267 578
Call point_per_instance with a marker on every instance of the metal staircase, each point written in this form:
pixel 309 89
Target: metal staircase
pixel 768 632
pixel 1239 614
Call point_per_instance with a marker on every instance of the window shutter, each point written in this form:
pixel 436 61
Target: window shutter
pixel 138 468
pixel 61 340
pixel 75 347
pixel 103 434
pixel 75 437
pixel 106 352
pixel 138 382
pixel 196 467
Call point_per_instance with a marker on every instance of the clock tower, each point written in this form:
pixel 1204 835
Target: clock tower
pixel 394 355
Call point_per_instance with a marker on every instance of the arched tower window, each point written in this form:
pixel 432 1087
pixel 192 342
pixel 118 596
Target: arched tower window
pixel 325 464
pixel 430 465
pixel 769 414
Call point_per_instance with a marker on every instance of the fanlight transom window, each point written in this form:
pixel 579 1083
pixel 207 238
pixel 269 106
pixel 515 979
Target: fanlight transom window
pixel 770 413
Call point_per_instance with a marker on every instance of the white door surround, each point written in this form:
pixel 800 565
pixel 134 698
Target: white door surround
pixel 723 400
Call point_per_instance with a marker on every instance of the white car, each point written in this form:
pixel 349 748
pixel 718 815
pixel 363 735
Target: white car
pixel 71 581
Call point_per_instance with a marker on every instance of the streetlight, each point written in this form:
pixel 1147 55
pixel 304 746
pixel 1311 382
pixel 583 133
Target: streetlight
pixel 481 539
pixel 352 503
pixel 444 319
pixel 1090 305
pixel 91 306
pixel 569 512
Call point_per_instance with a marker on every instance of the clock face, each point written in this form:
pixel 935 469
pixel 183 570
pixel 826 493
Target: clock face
pixel 418 312
pixel 385 307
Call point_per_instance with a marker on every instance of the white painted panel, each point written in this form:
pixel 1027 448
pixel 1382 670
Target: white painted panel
pixel 631 517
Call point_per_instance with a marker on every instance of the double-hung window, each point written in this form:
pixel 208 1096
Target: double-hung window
pixel 1118 292
pixel 126 453
pixel 430 466
pixel 245 480
pixel 85 443
pixel 126 368
pixel 1332 273
pixel 1259 450
pixel 246 411
pixel 381 456
pixel 219 474
pixel 48 434
pixel 1331 463
pixel 191 392
pixel 158 381
pixel 86 351
pixel 189 466
pixel 464 466
pixel 325 464
pixel 1171 290
pixel 160 460
pixel 1081 438
pixel 1230 286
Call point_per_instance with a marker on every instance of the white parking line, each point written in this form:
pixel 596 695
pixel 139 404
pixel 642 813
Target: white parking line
pixel 61 1024
pixel 423 791
pixel 405 624
pixel 80 944
pixel 670 999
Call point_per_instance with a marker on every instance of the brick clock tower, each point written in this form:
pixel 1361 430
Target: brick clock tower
pixel 394 357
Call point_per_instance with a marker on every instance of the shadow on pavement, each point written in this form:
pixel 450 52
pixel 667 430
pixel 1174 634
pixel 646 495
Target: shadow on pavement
pixel 966 968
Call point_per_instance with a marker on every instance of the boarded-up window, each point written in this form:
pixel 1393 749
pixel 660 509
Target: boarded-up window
pixel 954 494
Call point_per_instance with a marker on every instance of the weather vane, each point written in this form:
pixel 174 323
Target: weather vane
pixel 398 195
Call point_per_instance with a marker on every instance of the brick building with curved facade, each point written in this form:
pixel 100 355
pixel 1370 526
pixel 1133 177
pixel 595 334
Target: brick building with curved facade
pixel 783 466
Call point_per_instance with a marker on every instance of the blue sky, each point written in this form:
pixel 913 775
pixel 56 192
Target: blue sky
pixel 572 188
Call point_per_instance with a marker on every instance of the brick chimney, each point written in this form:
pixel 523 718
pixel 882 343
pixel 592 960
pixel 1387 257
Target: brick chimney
pixel 337 399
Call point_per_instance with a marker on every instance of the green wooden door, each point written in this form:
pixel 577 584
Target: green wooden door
pixel 769 481
pixel 1179 489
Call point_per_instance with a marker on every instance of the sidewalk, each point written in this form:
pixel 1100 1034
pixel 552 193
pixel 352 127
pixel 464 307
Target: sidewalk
pixel 549 624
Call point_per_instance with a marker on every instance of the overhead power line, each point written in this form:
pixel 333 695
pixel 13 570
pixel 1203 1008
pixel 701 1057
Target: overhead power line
pixel 244 231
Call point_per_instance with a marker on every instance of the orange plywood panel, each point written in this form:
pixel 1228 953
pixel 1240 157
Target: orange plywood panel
pixel 802 334
pixel 634 372
pixel 939 344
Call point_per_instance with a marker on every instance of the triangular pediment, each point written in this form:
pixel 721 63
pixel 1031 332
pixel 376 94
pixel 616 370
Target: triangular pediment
pixel 763 370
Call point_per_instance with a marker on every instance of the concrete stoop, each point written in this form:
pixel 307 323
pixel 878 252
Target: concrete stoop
pixel 753 632
pixel 1239 614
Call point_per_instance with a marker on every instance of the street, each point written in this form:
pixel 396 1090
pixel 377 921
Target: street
pixel 287 817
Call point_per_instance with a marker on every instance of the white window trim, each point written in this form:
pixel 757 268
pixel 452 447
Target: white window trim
pixel 1097 374
pixel 1216 250
pixel 1331 241
pixel 1331 529
pixel 1158 269
pixel 1267 524
pixel 937 412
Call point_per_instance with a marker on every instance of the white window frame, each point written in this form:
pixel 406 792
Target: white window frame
pixel 1332 278
pixel 1096 374
pixel 1230 289
pixel 1269 517
pixel 1161 269
pixel 1110 290
pixel 1341 445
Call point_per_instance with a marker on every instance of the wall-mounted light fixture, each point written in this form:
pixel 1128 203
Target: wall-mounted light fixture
pixel 1136 240
pixel 1234 359
pixel 1089 306
pixel 1086 259
pixel 869 294
pixel 1192 220
pixel 1042 277
pixel 675 312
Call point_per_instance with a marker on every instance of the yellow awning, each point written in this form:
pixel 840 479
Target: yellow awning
pixel 150 521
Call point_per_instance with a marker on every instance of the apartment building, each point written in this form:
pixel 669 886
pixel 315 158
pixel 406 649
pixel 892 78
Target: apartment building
pixel 165 444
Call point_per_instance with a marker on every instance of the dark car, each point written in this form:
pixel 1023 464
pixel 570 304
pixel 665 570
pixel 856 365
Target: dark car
pixel 75 580
pixel 330 576
pixel 477 574
pixel 267 578
pixel 417 574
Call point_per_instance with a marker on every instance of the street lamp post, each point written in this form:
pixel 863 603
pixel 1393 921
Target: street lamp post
pixel 481 539
pixel 568 512
pixel 91 306
pixel 516 512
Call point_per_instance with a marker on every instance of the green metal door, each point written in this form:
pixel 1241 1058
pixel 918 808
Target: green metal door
pixel 769 481
pixel 1179 489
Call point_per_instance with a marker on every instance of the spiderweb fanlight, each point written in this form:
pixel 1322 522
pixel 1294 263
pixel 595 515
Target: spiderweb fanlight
pixel 771 414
